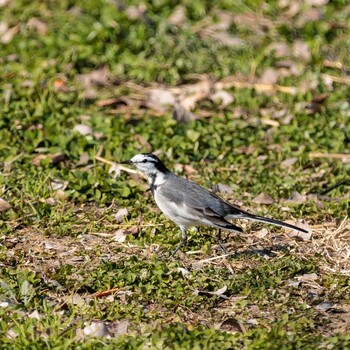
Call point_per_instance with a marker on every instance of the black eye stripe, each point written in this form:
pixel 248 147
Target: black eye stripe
pixel 147 161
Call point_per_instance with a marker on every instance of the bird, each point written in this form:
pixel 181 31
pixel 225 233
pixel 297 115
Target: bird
pixel 188 204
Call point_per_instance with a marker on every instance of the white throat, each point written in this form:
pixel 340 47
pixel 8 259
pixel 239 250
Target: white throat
pixel 157 180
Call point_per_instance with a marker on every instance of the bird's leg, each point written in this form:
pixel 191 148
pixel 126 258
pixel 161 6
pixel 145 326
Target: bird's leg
pixel 218 239
pixel 182 243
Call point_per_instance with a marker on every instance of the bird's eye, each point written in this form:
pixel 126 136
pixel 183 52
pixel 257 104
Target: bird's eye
pixel 144 161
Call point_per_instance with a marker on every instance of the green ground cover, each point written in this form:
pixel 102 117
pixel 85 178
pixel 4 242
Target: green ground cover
pixel 265 89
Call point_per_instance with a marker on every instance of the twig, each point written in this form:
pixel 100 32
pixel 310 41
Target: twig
pixel 119 166
pixel 342 156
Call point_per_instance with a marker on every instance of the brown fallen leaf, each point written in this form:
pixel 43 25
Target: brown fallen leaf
pixel 226 39
pixel 136 12
pixel 160 99
pixel 287 163
pixel 143 142
pixel 178 16
pixel 301 50
pixel 231 325
pixel 315 198
pixel 120 235
pixel 189 170
pixel 296 198
pixel 223 97
pixel 320 98
pixel 96 329
pixel 38 25
pixel 55 158
pixel 222 188
pixel 181 114
pixel 83 129
pixel 7 34
pixel 307 277
pixel 4 205
pixel 220 292
pixel 269 76
pixel 105 293
pixel 121 214
pixel 107 102
pixel 263 198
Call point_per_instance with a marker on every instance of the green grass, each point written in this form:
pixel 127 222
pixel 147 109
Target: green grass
pixel 57 247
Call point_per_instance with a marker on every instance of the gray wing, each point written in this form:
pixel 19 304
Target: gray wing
pixel 196 196
pixel 199 199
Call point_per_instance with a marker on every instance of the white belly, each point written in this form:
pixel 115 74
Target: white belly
pixel 178 213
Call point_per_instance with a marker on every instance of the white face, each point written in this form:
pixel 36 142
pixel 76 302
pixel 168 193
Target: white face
pixel 145 163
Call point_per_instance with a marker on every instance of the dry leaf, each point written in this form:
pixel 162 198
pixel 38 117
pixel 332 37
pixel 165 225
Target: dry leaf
pixel 160 98
pixel 105 293
pixel 121 213
pixel 107 102
pixel 136 12
pixel 325 306
pixel 96 329
pixel 122 327
pixel 59 185
pixel 143 142
pixel 296 198
pixel 114 170
pixel 231 325
pixel 178 16
pixel 220 292
pixel 288 162
pixel 183 271
pixel 120 235
pixel 60 84
pixel 4 205
pixel 224 97
pixel 226 39
pixel 55 158
pixel 301 50
pixel 83 129
pixel 38 25
pixel 181 114
pixel 189 170
pixel 320 98
pixel 307 277
pixel 83 159
pixel 263 198
pixel 270 76
pixel 4 2
pixel 280 49
pixel 222 188
pixel 7 35
pixel 60 194
pixel 35 315
pixel 292 283
pixel 315 198
pixel 261 233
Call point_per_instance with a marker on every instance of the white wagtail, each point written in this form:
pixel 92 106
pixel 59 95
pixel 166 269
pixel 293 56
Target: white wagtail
pixel 188 204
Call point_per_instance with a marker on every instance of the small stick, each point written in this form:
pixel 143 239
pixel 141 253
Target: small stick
pixel 330 155
pixel 121 167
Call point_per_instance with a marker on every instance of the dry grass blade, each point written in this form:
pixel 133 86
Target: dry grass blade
pixel 345 157
pixel 333 243
pixel 121 167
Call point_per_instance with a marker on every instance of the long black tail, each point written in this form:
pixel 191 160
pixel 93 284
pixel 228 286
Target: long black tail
pixel 270 221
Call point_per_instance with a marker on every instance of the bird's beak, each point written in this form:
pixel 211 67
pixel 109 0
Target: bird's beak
pixel 126 162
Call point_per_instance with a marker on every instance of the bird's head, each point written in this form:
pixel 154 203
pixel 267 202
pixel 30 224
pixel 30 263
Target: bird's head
pixel 148 163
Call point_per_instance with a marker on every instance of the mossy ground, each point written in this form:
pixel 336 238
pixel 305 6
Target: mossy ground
pixel 76 79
